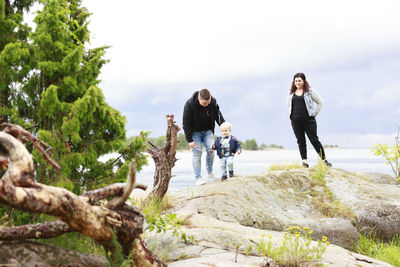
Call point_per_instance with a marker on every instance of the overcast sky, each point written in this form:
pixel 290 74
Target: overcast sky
pixel 246 53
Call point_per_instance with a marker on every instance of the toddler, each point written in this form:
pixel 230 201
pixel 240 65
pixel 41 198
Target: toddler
pixel 226 146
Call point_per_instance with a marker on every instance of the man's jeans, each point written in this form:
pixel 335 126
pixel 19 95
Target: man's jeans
pixel 223 162
pixel 205 138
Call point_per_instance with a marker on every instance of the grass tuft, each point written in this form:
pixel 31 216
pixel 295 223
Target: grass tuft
pixel 372 247
pixel 279 167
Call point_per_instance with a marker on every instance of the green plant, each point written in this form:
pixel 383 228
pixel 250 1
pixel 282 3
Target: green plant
pixel 297 248
pixel 391 154
pixel 371 246
pixel 75 241
pixel 159 223
pixel 318 172
pixel 166 223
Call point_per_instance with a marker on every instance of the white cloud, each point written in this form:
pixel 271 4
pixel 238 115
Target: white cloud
pixel 162 51
pixel 360 140
pixel 190 41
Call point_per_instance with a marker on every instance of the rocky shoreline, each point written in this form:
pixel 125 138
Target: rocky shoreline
pixel 227 218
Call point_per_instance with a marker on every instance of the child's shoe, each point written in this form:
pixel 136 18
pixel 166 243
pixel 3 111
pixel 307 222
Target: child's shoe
pixel 230 173
pixel 224 177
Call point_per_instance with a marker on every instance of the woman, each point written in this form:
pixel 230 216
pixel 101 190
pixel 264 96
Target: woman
pixel 304 105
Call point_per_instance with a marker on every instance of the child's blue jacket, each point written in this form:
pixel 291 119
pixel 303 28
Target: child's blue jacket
pixel 234 146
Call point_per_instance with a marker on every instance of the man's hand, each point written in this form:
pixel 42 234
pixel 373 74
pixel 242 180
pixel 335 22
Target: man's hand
pixel 192 144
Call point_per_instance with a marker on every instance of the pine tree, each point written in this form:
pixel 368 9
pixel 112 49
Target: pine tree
pixel 14 56
pixel 64 101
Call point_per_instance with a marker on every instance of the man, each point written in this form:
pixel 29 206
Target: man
pixel 200 113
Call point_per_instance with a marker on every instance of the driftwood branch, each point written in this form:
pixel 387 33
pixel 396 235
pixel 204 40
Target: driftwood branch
pixel 164 159
pixel 19 190
pixel 33 231
pixel 20 133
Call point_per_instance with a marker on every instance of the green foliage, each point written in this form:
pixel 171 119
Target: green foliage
pixel 318 172
pixel 60 99
pixel 15 217
pixel 133 148
pixel 76 241
pixel 391 154
pixel 154 207
pixel 115 258
pixel 249 144
pixel 14 57
pixel 296 249
pixel 160 141
pixel 159 223
pixel 49 85
pixel 370 246
pixel 162 224
pixel 182 143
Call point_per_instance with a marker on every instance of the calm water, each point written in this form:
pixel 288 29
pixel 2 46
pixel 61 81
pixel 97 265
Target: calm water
pixel 250 162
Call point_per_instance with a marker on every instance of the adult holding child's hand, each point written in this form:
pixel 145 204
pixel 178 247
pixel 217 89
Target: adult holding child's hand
pixel 200 113
pixel 193 144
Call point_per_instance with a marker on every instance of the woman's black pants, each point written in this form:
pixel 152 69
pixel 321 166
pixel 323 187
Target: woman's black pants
pixel 309 127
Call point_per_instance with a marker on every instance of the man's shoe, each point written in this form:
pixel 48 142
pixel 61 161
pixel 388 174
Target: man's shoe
pixel 328 163
pixel 212 177
pixel 224 177
pixel 200 181
pixel 230 173
pixel 305 165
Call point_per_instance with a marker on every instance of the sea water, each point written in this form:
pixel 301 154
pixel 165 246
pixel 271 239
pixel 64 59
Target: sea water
pixel 252 162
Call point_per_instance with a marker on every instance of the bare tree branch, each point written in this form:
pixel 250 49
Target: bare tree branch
pixel 29 231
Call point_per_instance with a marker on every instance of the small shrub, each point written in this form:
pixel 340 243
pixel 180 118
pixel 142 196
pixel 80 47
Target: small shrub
pixel 297 248
pixel 318 172
pixel 391 154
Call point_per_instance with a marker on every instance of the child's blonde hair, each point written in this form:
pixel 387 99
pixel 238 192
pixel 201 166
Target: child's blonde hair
pixel 226 125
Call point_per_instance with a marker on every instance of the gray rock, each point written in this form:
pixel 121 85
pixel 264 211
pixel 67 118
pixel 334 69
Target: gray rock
pixel 227 218
pixel 376 202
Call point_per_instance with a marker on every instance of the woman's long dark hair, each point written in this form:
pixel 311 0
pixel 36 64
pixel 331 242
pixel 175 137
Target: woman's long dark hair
pixel 306 84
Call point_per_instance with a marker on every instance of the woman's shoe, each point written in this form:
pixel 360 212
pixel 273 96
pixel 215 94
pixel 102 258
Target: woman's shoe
pixel 328 163
pixel 305 165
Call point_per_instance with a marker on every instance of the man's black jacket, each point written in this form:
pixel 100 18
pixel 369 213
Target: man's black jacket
pixel 197 118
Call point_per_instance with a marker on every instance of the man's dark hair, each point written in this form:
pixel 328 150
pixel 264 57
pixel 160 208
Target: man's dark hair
pixel 204 94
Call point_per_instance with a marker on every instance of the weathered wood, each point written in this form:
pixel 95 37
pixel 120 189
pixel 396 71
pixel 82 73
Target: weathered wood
pixel 20 133
pixel 19 190
pixel 164 159
pixel 145 258
pixel 33 231
pixel 30 253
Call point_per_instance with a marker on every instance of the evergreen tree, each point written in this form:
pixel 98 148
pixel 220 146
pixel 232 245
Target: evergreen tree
pixel 64 101
pixel 14 56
